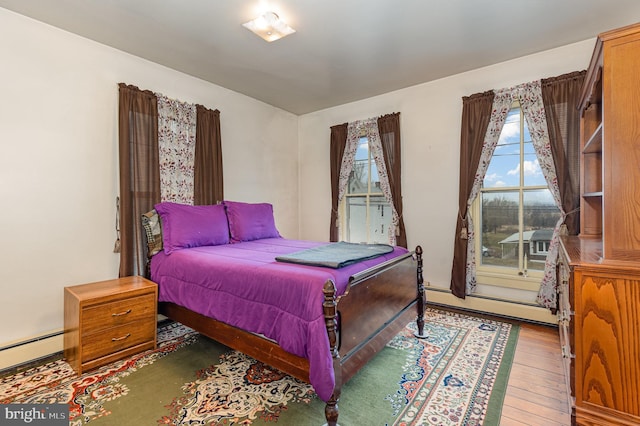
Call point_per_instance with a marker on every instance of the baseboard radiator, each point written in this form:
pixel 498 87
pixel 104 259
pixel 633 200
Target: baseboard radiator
pixel 30 351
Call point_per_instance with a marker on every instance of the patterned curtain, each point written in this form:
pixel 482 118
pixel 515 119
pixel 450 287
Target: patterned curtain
pixel 530 95
pixel 176 147
pixel 355 130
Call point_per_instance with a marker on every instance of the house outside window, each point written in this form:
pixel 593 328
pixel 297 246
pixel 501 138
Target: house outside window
pixel 515 213
pixel 366 213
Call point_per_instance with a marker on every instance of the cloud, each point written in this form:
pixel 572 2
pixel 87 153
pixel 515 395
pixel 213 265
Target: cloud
pixel 531 168
pixel 491 177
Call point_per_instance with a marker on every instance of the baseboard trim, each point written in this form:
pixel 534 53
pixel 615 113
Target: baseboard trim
pixel 30 350
pixel 519 311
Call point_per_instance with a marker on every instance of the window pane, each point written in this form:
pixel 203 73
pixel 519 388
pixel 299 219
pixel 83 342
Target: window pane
pixel 367 219
pixel 532 172
pixel 500 231
pixel 356 220
pixel 362 153
pixel 379 219
pixel 375 178
pixel 504 167
pixel 358 179
pixel 540 217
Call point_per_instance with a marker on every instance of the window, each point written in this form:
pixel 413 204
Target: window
pixel 517 211
pixel 367 214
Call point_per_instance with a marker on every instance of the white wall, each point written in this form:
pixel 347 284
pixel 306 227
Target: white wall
pixel 430 133
pixel 59 167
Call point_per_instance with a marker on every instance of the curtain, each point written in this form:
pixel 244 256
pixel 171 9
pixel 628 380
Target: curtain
pixel 337 147
pixel 560 96
pixel 355 130
pixel 389 130
pixel 208 177
pixel 139 172
pixel 476 115
pixel 530 96
pixel 564 124
pixel 176 147
pixel 186 166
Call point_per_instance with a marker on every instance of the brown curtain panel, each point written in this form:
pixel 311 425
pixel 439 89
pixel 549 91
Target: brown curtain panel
pixel 476 115
pixel 139 173
pixel 560 96
pixel 337 147
pixel 389 129
pixel 208 177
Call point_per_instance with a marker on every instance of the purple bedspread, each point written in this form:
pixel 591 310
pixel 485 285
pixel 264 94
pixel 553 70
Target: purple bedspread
pixel 243 285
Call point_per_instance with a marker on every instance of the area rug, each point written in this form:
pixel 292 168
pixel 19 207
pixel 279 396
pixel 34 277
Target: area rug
pixel 456 376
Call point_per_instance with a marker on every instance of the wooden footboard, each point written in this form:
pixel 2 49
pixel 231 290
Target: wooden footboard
pixel 379 302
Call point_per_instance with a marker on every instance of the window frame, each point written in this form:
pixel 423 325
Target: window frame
pixel 519 277
pixel 344 223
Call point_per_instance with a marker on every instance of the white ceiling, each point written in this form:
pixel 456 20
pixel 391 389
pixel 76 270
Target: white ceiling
pixel 343 50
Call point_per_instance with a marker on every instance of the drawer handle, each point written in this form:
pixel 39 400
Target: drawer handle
pixel 119 314
pixel 117 339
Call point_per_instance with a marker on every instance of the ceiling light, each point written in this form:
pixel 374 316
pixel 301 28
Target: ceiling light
pixel 269 26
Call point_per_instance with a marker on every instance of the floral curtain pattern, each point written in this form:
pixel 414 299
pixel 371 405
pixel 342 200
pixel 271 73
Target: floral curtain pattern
pixel 176 148
pixel 355 130
pixel 530 95
pixel 501 105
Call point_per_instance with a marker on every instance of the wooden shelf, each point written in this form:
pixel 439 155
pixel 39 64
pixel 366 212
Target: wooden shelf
pixel 592 194
pixel 594 144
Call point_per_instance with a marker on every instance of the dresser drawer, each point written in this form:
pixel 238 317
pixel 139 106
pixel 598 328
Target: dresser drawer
pixel 101 317
pixel 118 338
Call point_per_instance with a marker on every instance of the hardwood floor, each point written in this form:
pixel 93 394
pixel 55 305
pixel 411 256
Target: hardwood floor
pixel 536 393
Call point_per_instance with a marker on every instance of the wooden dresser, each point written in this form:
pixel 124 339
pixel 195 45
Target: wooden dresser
pixel 599 270
pixel 108 320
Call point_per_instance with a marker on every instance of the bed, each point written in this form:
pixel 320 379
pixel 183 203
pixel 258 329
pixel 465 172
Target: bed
pixel 316 323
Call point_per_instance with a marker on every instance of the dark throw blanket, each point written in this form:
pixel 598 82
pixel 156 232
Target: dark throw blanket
pixel 336 255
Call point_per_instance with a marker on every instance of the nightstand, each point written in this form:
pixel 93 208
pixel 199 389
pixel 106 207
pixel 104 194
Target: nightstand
pixel 109 320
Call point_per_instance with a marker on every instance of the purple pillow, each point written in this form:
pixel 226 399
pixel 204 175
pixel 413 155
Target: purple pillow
pixel 249 222
pixel 185 226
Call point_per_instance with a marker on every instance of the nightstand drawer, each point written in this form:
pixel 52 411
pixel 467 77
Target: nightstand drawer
pixel 117 338
pixel 108 320
pixel 120 312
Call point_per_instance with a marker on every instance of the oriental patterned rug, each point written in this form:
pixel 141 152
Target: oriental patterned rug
pixel 457 376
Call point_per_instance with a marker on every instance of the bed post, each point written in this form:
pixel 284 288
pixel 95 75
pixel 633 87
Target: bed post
pixel 330 310
pixel 420 306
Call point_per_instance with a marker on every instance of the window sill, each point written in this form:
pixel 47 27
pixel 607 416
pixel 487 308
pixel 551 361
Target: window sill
pixel 529 283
